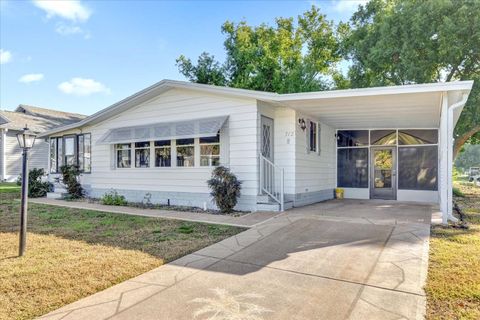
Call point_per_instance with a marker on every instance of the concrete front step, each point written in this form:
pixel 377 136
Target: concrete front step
pixel 274 206
pixel 56 195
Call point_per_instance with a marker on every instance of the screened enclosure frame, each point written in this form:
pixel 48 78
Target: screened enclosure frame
pixel 397 146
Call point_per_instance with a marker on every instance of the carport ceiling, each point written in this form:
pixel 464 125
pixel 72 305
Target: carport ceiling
pixel 406 110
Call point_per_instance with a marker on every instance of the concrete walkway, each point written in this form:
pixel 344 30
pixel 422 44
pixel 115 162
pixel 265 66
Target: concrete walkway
pixel 334 260
pixel 247 220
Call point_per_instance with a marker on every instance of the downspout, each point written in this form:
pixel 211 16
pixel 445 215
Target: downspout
pixel 450 129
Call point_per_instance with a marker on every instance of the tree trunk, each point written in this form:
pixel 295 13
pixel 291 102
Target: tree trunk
pixel 460 141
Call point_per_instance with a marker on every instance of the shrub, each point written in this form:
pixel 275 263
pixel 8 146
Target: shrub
pixel 36 186
pixel 225 189
pixel 112 198
pixel 70 176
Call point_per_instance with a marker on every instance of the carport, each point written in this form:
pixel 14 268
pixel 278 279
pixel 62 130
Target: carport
pixel 397 140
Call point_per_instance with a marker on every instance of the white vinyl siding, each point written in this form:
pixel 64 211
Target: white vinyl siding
pixel 238 144
pixel 313 171
pixel 37 156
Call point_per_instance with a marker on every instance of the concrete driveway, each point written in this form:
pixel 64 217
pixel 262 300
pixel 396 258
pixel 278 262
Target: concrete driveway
pixel 334 260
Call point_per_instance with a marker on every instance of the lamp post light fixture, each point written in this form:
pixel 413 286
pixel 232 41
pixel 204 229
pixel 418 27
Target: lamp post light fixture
pixel 26 140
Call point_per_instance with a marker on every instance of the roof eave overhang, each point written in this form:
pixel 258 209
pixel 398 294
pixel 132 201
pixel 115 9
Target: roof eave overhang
pixel 278 99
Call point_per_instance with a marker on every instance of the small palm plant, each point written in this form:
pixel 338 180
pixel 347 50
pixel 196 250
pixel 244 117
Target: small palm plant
pixel 225 189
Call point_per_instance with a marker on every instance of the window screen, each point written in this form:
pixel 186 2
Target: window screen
pixel 352 168
pixel 409 137
pixel 352 138
pixel 417 168
pixel 383 137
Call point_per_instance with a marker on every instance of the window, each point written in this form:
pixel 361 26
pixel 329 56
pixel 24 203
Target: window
pixel 417 168
pixel 383 137
pixel 312 136
pixel 81 151
pixel 210 151
pixel 352 138
pixel 163 154
pixel 53 155
pixel 123 155
pixel 142 154
pixel 87 153
pixel 352 168
pixel 60 157
pixel 185 152
pixel 416 137
pixel 69 150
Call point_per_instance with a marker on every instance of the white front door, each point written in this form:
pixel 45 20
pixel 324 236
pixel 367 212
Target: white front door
pixel 266 147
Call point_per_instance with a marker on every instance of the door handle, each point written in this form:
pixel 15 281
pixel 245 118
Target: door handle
pixel 394 172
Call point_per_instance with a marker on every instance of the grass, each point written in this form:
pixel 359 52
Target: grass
pixel 453 284
pixel 9 187
pixel 72 253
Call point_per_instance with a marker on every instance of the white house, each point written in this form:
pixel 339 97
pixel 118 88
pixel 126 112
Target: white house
pixel 287 149
pixel 38 120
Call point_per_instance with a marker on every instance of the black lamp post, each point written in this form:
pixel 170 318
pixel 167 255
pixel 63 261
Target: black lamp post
pixel 26 139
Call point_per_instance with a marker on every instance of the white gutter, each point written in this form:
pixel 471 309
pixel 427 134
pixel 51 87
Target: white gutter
pixel 450 127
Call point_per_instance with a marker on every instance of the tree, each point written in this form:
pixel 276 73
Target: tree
pixel 393 42
pixel 288 57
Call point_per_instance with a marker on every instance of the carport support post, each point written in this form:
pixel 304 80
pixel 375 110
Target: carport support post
pixel 443 174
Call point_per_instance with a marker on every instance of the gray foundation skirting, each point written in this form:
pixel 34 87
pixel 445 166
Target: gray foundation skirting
pixel 303 199
pixel 191 199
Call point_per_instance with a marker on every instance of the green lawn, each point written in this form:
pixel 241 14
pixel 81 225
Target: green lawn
pixel 453 284
pixel 9 187
pixel 72 253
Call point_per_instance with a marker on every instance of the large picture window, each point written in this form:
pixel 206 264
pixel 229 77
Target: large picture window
pixel 210 151
pixel 352 168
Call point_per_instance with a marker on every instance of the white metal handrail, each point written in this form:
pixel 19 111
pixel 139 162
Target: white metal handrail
pixel 272 180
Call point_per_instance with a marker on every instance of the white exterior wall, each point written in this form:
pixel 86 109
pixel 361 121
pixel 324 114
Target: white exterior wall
pixel 315 171
pixel 239 138
pixel 37 156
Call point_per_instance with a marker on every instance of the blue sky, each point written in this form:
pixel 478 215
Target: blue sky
pixel 82 56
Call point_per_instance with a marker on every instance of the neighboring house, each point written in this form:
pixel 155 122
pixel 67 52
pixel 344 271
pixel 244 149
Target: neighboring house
pixel 376 143
pixel 38 120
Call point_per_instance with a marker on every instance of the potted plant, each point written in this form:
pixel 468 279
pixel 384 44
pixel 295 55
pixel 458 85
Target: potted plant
pixel 339 193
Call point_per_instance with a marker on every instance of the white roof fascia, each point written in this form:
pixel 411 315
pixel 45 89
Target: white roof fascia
pixel 404 89
pixel 164 85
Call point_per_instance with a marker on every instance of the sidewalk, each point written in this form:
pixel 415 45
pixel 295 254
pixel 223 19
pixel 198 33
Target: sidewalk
pixel 247 221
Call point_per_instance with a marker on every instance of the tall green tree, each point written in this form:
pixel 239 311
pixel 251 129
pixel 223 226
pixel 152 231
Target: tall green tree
pixel 392 42
pixel 291 56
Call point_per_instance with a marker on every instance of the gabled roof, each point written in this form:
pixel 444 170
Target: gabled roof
pixel 37 119
pixel 279 99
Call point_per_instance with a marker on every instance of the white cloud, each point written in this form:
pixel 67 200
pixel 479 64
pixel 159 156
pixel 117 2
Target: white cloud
pixel 348 5
pixel 68 9
pixel 65 30
pixel 31 77
pixel 82 87
pixel 5 56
